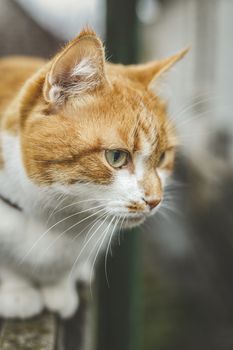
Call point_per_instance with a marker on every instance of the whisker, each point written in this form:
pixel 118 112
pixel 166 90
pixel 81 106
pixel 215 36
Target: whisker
pixel 104 235
pixel 172 210
pixel 177 114
pixel 107 250
pixel 82 201
pixel 83 248
pixel 194 118
pixel 99 219
pixel 93 223
pixel 119 234
pixel 50 228
pixel 97 240
pixel 58 204
pixel 69 228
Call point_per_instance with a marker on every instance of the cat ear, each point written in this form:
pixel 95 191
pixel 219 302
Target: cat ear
pixel 78 69
pixel 148 72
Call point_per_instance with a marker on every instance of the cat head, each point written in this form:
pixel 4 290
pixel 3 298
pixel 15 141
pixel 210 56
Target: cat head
pixel 97 132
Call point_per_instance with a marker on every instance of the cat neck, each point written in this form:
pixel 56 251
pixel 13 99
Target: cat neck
pixel 14 183
pixel 17 188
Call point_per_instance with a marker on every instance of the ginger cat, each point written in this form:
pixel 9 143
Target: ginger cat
pixel 86 147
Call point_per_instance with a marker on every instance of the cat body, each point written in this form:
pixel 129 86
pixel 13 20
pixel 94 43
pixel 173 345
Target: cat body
pixel 85 147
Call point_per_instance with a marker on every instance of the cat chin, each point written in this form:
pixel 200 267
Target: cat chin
pixel 133 222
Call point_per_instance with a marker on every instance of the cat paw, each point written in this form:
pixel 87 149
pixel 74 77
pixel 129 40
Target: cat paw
pixel 61 298
pixel 20 301
pixel 85 274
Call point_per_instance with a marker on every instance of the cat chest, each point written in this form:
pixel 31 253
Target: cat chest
pixel 33 244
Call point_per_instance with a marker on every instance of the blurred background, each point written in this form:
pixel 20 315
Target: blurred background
pixel 171 283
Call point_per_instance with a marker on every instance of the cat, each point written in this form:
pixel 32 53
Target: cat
pixel 86 147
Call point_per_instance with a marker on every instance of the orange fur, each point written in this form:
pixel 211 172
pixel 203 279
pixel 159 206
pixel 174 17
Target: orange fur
pixel 64 140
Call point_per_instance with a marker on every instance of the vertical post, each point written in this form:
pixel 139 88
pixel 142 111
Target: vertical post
pixel 118 316
pixel 122 38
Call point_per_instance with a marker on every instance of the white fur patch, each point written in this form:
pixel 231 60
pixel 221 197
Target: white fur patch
pixel 18 298
pixel 82 78
pixel 141 159
pixel 55 93
pixel 163 175
pixel 61 297
pixel 84 68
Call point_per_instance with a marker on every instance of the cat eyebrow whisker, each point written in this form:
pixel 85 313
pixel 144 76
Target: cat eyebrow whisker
pixel 195 117
pixel 187 107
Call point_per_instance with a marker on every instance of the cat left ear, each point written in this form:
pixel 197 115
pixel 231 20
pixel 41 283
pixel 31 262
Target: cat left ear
pixel 148 72
pixel 78 69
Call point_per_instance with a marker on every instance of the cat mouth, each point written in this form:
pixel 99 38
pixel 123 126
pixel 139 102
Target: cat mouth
pixel 132 220
pixel 128 220
pixel 136 219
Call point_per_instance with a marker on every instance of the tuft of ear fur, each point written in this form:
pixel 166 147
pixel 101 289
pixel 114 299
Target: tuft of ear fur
pixel 78 69
pixel 148 72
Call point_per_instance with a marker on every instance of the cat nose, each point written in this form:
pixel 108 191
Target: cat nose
pixel 152 203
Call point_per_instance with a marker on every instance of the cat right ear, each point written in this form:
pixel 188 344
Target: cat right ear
pixel 147 73
pixel 79 69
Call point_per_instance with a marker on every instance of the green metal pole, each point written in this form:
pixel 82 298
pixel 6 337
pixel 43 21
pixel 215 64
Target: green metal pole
pixel 119 316
pixel 122 31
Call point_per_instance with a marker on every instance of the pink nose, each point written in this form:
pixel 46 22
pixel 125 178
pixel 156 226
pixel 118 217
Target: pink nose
pixel 153 203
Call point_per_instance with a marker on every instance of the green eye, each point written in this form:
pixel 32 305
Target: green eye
pixel 116 158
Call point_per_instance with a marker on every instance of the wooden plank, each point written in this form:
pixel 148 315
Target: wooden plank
pixel 38 333
pixel 48 331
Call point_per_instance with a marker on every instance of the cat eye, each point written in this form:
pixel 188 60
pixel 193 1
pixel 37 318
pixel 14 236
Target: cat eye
pixel 117 158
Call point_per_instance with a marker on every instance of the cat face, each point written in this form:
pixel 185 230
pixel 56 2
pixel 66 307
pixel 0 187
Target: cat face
pixel 97 133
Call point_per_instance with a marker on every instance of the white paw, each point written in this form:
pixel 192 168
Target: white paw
pixel 21 301
pixel 61 298
pixel 85 273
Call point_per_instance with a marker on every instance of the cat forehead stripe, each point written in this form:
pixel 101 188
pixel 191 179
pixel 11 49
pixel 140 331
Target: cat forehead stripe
pixel 145 135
